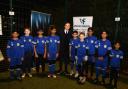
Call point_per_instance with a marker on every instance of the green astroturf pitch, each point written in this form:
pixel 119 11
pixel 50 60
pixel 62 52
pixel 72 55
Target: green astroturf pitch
pixel 41 81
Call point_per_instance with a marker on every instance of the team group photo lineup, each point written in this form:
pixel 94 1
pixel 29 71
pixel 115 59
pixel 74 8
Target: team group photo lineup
pixel 79 56
pixel 63 44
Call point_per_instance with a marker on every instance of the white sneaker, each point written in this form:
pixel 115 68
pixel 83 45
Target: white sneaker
pixel 29 75
pixel 54 76
pixel 34 69
pixel 23 75
pixel 83 80
pixel 76 75
pixel 80 78
pixel 49 76
pixel 71 73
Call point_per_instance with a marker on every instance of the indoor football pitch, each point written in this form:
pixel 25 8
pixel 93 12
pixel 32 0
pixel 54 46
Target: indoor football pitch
pixel 41 81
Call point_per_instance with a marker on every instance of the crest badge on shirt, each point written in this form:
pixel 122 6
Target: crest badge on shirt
pixel 18 44
pixel 105 46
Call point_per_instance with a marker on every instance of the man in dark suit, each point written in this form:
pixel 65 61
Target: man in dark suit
pixel 65 36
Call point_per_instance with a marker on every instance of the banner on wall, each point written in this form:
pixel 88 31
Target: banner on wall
pixel 40 20
pixel 1 25
pixel 81 24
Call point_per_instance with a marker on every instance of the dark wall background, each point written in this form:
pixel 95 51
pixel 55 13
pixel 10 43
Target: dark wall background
pixel 104 12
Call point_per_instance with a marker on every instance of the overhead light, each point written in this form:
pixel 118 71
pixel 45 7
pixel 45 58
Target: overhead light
pixel 117 19
pixel 11 13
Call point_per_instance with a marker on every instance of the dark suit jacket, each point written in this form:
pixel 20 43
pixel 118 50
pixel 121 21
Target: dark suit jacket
pixel 64 43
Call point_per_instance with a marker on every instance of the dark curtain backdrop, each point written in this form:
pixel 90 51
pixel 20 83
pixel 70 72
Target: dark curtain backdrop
pixel 40 20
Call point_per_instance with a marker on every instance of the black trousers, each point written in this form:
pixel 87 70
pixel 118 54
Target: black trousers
pixel 64 57
pixel 89 67
pixel 114 75
pixel 40 61
pixel 26 65
pixel 84 68
pixel 64 61
pixel 81 70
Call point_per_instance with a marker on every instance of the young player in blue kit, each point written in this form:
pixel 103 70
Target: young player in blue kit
pixel 116 55
pixel 40 50
pixel 103 48
pixel 28 52
pixel 81 56
pixel 15 54
pixel 72 51
pixel 53 42
pixel 90 40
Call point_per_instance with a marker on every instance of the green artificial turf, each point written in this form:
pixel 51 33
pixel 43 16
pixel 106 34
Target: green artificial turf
pixel 61 82
pixel 41 81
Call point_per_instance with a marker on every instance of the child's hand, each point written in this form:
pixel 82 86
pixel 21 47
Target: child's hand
pixel 86 58
pixel 76 57
pixel 36 56
pixel 22 58
pixel 48 55
pixel 101 58
pixel 9 59
pixel 70 55
pixel 57 55
pixel 44 56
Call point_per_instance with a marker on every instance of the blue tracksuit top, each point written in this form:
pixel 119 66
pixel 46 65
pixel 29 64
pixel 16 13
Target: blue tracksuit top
pixel 116 56
pixel 40 43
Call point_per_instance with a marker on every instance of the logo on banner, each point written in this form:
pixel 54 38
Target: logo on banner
pixel 83 20
pixel 81 24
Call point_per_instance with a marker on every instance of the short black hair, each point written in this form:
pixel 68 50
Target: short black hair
pixel 27 28
pixel 14 32
pixel 75 32
pixel 82 33
pixel 67 23
pixel 40 30
pixel 51 28
pixel 104 31
pixel 90 28
pixel 116 42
